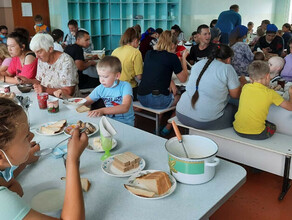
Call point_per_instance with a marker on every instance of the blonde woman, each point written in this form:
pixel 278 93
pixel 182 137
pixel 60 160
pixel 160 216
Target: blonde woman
pixel 5 58
pixel 131 58
pixel 156 90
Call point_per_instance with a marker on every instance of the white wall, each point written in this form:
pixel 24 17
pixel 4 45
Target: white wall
pixel 196 12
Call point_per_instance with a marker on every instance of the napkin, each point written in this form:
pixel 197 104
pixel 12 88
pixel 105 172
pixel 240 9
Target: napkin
pixel 106 129
pixel 58 152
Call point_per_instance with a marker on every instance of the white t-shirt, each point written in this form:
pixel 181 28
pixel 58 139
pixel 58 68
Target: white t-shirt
pixel 213 91
pixel 12 205
pixel 58 47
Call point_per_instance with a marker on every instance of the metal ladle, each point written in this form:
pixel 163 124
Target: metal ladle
pixel 179 137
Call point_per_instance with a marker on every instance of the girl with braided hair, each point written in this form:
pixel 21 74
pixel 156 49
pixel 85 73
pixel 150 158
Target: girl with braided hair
pixel 213 81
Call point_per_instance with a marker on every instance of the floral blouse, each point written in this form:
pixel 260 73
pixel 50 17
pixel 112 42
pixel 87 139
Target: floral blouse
pixel 242 58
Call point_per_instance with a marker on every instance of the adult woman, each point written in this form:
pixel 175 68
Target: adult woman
pixel 175 29
pixel 55 70
pixel 286 28
pixel 14 150
pixel 24 62
pixel 131 58
pixel 58 36
pixel 204 105
pixel 242 52
pixel 156 90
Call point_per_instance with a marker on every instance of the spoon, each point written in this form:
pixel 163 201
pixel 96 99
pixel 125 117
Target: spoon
pixel 49 150
pixel 179 137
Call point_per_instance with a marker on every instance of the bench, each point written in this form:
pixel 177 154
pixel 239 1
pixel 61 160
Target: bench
pixel 272 155
pixel 157 113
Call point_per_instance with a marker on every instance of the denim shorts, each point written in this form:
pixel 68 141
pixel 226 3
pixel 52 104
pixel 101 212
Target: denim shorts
pixel 156 101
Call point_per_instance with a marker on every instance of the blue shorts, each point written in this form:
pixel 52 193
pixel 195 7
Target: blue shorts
pixel 156 101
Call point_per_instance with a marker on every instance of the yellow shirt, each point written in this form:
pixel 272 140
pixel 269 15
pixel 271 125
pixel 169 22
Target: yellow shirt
pixel 132 63
pixel 254 104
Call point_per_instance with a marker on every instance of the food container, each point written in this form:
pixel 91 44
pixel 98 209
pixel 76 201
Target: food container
pixel 53 105
pixel 200 166
pixel 24 88
pixel 42 100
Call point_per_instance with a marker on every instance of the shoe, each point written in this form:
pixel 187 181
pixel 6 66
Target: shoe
pixel 164 132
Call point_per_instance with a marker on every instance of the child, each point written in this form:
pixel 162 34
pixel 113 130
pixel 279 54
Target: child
pixel 259 56
pixel 15 149
pixel 254 103
pixel 116 94
pixel 287 70
pixel 5 58
pixel 39 26
pixel 276 65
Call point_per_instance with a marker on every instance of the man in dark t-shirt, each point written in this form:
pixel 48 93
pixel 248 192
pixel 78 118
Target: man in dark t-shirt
pixel 76 52
pixel 270 43
pixel 204 48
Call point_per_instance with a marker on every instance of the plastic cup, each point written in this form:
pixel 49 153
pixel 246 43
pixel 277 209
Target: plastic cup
pixel 42 100
pixel 106 144
pixel 53 105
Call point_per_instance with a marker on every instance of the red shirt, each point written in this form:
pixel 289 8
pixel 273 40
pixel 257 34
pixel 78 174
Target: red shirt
pixel 16 69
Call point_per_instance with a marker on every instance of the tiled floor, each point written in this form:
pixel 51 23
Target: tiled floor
pixel 257 199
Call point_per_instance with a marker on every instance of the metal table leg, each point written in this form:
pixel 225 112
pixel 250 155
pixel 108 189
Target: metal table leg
pixel 286 181
pixel 157 124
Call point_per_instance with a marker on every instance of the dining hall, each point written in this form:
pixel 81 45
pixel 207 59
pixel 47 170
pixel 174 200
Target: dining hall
pixel 143 109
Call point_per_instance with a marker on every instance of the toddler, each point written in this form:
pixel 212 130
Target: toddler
pixel 254 103
pixel 116 94
pixel 39 26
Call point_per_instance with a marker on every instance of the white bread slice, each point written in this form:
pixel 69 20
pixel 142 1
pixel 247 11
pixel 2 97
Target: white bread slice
pixel 82 108
pixel 58 124
pixel 46 130
pixel 139 192
pixel 85 184
pixel 157 182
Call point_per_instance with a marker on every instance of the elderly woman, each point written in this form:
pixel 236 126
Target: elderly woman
pixel 56 70
pixel 23 63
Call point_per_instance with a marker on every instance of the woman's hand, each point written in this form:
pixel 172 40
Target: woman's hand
pixel 76 145
pixel 22 80
pixel 96 113
pixel 172 88
pixel 58 93
pixel 185 53
pixel 38 88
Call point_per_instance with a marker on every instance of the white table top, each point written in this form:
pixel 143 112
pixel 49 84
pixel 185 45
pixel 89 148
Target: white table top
pixel 107 197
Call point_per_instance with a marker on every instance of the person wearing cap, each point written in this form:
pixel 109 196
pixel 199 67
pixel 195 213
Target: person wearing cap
pixel 242 53
pixel 227 21
pixel 270 44
pixel 215 35
pixel 148 41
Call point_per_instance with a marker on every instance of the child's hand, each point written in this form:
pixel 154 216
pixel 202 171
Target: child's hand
pixel 95 113
pixel 76 145
pixel 34 148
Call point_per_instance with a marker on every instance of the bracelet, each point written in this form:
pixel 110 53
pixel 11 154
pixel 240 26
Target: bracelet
pixel 4 79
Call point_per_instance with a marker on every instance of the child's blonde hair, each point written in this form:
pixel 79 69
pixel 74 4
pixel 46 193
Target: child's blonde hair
pixel 258 69
pixel 3 52
pixel 166 41
pixel 111 62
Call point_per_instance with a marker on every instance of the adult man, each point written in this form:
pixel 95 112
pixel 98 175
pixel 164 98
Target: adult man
pixel 3 34
pixel 227 21
pixel 270 44
pixel 76 52
pixel 71 37
pixel 204 48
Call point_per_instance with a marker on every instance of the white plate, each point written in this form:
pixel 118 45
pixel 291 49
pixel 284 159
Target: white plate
pixel 47 197
pixel 131 181
pixel 95 125
pixel 38 130
pixel 109 169
pixel 100 150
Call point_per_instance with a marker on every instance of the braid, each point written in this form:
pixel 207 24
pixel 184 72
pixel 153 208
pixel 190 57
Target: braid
pixel 196 94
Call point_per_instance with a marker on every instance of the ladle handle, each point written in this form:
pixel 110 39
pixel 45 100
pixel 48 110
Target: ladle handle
pixel 176 131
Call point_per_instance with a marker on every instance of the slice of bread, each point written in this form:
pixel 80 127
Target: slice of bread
pixel 157 182
pixel 139 192
pixel 85 184
pixel 50 131
pixel 82 108
pixel 58 124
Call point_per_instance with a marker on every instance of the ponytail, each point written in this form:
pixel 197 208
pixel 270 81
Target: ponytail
pixel 220 51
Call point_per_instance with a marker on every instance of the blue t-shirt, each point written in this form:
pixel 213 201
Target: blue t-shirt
pixel 12 205
pixel 113 97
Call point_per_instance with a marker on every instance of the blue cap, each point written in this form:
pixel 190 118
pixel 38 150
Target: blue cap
pixel 240 31
pixel 271 28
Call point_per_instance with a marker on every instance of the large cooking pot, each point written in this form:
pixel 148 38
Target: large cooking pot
pixel 200 166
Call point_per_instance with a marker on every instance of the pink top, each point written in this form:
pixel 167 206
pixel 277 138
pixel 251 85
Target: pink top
pixel 16 69
pixel 6 61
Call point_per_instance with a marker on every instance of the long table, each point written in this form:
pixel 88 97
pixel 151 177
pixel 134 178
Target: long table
pixel 107 197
